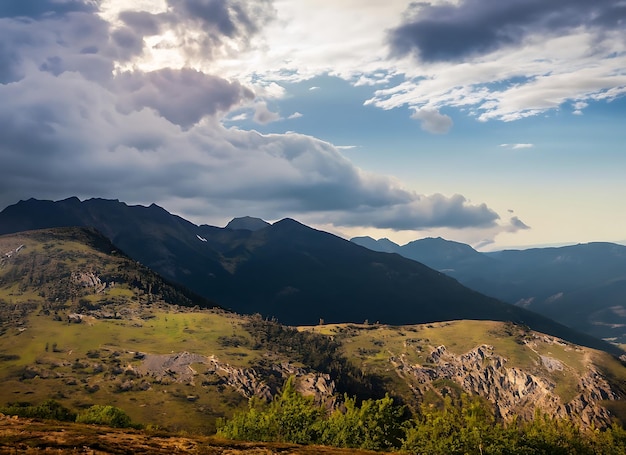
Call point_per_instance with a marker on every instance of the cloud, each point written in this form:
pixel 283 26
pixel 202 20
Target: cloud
pixel 295 115
pixel 182 96
pixel 517 146
pixel 263 115
pixel 454 31
pixel 421 212
pixel 515 224
pixel 36 9
pixel 579 106
pixel 74 119
pixel 203 29
pixel 432 120
pixel 506 60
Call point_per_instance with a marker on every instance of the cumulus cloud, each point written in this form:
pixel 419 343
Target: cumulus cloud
pixel 203 30
pixel 432 120
pixel 182 96
pixel 263 115
pixel 73 120
pixel 421 212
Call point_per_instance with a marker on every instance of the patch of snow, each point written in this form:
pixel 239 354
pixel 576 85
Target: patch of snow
pixel 201 238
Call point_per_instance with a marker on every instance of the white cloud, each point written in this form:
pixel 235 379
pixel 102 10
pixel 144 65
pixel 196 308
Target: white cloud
pixel 346 147
pixel 432 120
pixel 263 115
pixel 295 115
pixel 517 146
pixel 579 106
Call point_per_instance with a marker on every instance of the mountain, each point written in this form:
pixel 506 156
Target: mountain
pixel 440 254
pixel 84 324
pixel 286 270
pixel 247 223
pixel 582 286
pixel 382 245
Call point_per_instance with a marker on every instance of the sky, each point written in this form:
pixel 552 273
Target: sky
pixel 494 123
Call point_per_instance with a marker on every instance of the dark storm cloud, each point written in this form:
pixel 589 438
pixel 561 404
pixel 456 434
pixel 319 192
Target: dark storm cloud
pixel 452 32
pixel 182 96
pixel 36 9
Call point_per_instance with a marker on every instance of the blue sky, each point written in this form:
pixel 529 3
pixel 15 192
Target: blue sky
pixel 493 123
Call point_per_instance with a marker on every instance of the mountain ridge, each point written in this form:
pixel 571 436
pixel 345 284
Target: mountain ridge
pixel 287 270
pixel 582 286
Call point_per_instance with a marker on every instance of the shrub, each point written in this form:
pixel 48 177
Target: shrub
pixel 49 409
pixel 105 415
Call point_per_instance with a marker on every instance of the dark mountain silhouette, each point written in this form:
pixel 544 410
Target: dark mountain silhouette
pixel 382 245
pixel 582 286
pixel 286 270
pixel 247 223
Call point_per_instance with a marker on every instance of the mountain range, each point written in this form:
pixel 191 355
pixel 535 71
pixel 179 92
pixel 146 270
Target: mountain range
pixel 84 324
pixel 582 286
pixel 285 270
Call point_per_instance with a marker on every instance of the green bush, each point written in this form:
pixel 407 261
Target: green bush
pixel 105 415
pixel 49 410
pixel 375 425
pixel 291 417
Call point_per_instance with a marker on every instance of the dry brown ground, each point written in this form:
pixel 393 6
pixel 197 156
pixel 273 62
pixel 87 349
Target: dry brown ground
pixel 18 436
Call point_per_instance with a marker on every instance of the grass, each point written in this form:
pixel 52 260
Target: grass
pixel 374 345
pixel 114 342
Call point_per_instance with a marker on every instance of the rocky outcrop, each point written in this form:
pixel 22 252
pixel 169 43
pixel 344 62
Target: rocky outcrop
pixel 178 367
pixel 513 391
pixel 89 280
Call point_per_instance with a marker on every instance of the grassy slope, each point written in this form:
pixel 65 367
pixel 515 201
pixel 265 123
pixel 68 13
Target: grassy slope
pixel 41 357
pixel 373 345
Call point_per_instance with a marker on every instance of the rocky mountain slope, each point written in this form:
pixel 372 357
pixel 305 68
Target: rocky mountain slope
pixel 286 270
pixel 84 324
pixel 582 286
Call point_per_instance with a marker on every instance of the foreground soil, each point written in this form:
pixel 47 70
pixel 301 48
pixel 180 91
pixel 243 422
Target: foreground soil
pixel 28 436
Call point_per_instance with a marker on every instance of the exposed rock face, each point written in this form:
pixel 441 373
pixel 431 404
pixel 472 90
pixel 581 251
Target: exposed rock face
pixel 178 368
pixel 89 280
pixel 513 391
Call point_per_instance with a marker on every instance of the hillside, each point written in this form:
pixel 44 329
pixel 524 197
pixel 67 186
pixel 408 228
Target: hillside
pixel 582 286
pixel 83 324
pixel 287 270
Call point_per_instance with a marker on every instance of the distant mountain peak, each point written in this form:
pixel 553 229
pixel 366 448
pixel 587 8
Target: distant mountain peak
pixel 383 245
pixel 247 223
